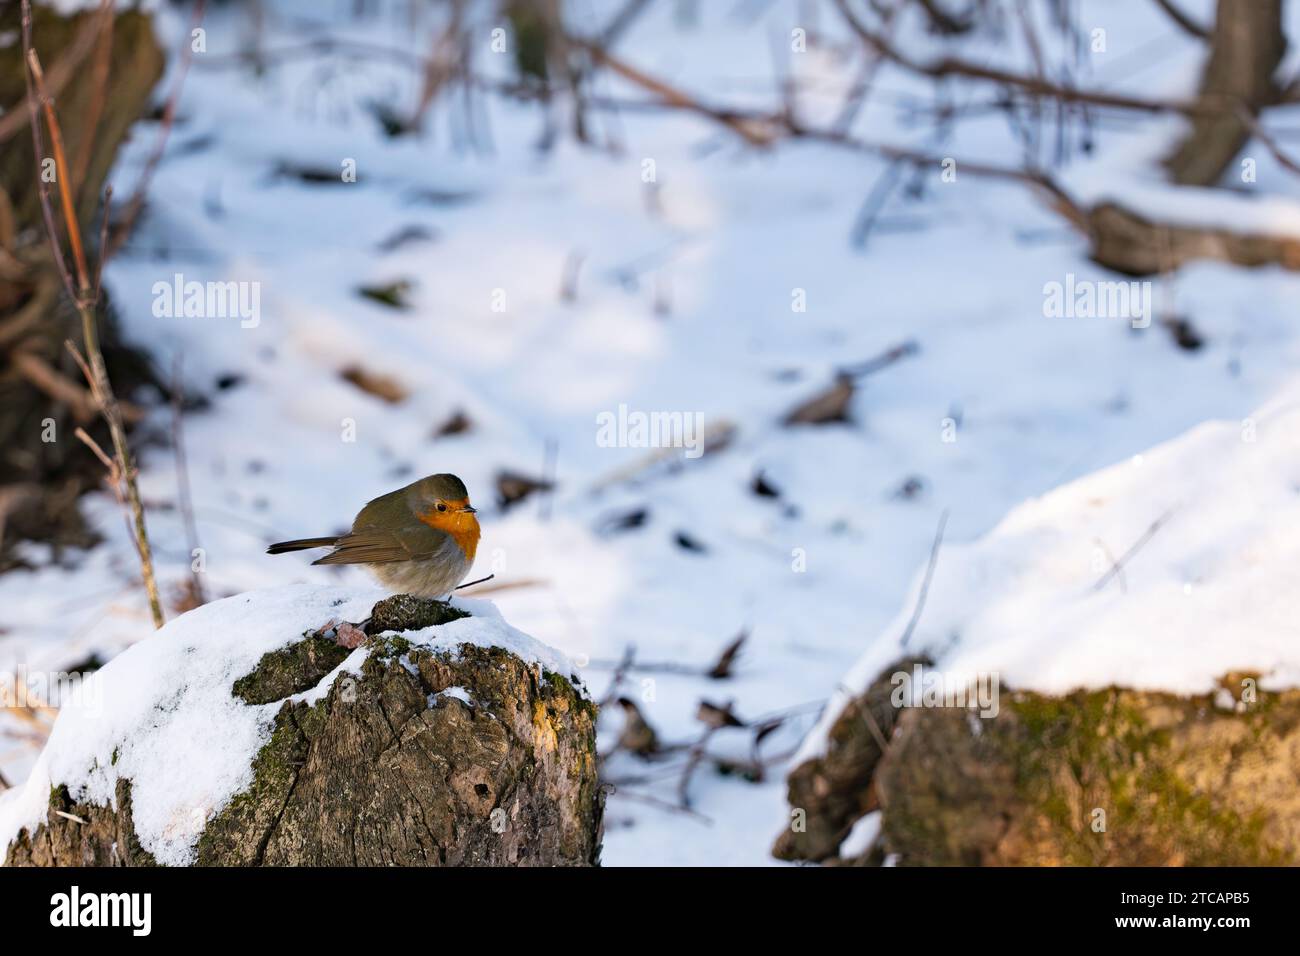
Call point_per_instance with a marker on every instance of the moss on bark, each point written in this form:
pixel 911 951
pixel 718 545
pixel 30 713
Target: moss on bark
pixel 1112 776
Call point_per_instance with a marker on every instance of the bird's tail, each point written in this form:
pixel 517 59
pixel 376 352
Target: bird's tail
pixel 302 544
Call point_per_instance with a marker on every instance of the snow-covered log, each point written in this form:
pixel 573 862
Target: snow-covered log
pixel 1109 677
pixel 299 726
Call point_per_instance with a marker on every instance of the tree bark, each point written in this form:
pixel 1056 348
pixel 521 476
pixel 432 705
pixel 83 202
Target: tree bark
pixel 1247 45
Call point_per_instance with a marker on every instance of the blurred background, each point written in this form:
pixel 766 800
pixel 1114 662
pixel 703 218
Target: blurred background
pixel 895 269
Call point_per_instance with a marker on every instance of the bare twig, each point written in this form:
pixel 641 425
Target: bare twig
pixel 693 761
pixel 54 384
pixel 183 496
pixel 1147 535
pixel 82 297
pixel 1035 86
pixel 516 585
pixel 945 22
pixel 99 453
pixel 442 66
pixel 762 129
pixel 60 73
pixel 621 21
pixel 858 703
pixel 103 244
pixel 61 172
pixel 136 202
pixel 755 129
pixel 1123 581
pixel 663 804
pixel 1257 130
pixel 620 674
pixel 875 203
pixel 1185 23
pixel 925 583
pixel 881 361
pixel 717 435
pixel 106 15
pixel 650 667
pixel 38 149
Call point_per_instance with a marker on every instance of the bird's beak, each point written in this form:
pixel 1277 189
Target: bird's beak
pixel 470 509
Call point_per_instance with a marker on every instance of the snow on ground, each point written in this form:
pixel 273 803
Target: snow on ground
pixel 161 713
pixel 683 304
pixel 1168 571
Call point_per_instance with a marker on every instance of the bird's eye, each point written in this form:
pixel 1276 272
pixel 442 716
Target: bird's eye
pixel 441 507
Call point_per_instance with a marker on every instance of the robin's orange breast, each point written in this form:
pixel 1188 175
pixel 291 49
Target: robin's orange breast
pixel 460 524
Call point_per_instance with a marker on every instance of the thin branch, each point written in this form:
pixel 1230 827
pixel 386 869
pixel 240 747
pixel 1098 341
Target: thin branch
pixel 663 804
pixel 60 73
pixel 860 705
pixel 952 66
pixel 1123 580
pixel 183 496
pixel 62 173
pixel 925 584
pixel 621 21
pixel 765 128
pixel 882 361
pixel 1185 23
pixel 103 244
pixel 107 14
pixel 54 384
pixel 99 453
pixel 1147 535
pixel 693 761
pixel 136 202
pixel 755 129
pixel 82 299
pixel 38 149
pixel 1257 130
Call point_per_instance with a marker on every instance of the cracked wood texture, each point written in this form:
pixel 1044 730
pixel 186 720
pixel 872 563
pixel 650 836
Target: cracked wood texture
pixel 385 770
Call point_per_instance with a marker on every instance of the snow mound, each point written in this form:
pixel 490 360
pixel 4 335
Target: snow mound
pixel 1201 529
pixel 161 714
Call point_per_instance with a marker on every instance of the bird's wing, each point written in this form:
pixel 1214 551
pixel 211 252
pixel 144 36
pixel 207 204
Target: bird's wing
pixel 371 545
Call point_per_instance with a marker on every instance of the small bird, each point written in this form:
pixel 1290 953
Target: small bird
pixel 416 540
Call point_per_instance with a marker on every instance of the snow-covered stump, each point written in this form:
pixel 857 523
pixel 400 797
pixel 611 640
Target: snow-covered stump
pixel 263 730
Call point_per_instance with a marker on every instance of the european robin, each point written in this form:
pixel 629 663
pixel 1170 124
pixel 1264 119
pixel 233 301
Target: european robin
pixel 416 540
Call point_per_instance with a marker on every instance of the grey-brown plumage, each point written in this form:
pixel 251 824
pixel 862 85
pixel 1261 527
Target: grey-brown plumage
pixel 419 539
